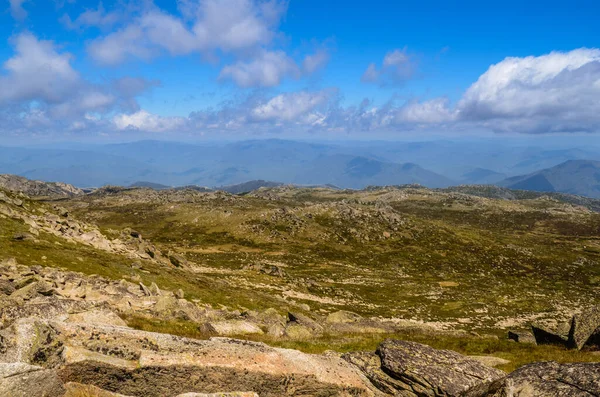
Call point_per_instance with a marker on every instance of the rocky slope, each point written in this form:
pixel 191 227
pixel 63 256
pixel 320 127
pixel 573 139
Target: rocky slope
pixel 38 188
pixel 145 293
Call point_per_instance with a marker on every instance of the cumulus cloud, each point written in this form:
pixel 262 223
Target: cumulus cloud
pixel 398 67
pixel 549 93
pixel 148 122
pixel 292 107
pixel 266 70
pixel 557 92
pixel 37 71
pixel 40 84
pixel 213 25
pixel 435 111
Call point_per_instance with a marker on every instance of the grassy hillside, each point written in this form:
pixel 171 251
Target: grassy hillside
pixel 450 261
pixel 445 258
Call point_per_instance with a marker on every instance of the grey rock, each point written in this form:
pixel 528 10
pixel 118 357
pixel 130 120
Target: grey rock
pixel 145 289
pixel 301 319
pixel 547 336
pixel 370 364
pixel 521 336
pixel 550 379
pixel 343 317
pixel 585 329
pixel 23 237
pixel 24 380
pixel 430 372
pixel 6 287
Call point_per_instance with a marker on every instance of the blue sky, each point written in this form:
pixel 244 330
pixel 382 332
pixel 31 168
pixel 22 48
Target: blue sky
pixel 75 68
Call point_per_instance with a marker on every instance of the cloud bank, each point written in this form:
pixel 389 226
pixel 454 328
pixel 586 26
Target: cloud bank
pixel 43 92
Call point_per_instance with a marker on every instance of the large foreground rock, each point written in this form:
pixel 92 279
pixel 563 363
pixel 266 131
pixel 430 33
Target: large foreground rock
pixel 550 379
pixel 137 363
pixel 370 364
pixel 426 371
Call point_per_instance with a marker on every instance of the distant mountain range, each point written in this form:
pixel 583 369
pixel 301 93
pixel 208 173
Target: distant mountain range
pixel 580 177
pixel 435 164
pixel 248 186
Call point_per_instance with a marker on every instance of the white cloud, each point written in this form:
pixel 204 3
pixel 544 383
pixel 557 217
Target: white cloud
pixel 214 25
pixel 37 71
pixel 434 111
pixel 266 70
pixel 40 85
pixel 398 67
pixel 16 9
pixel 148 122
pixel 291 106
pixel 553 92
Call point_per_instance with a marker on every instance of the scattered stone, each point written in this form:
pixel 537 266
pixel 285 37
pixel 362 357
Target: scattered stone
pixel 521 336
pixel 276 331
pixel 154 290
pixel 176 259
pixel 298 332
pixel 145 289
pixel 305 321
pixel 63 212
pixel 342 317
pixel 179 294
pixel 23 237
pixel 6 287
pixel 97 317
pixel 231 328
pixel 266 268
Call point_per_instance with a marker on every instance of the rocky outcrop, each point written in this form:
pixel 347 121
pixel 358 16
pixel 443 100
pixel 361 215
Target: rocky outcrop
pixel 550 379
pixel 38 188
pixel 138 363
pixel 58 222
pixel 424 371
pixel 582 330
